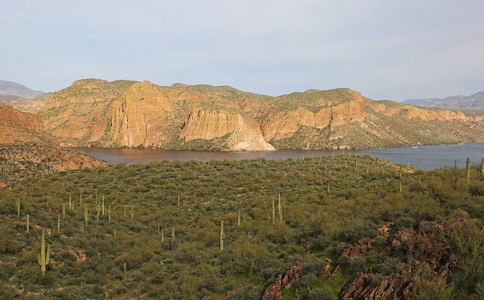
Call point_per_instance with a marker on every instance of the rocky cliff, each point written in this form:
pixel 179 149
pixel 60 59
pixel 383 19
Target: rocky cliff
pixel 17 126
pixel 141 114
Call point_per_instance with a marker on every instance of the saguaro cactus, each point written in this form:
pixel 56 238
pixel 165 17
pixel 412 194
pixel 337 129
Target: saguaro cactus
pixel 468 169
pixel 222 235
pixel 273 212
pixel 103 206
pixel 124 271
pixel 28 223
pixel 482 167
pixel 85 215
pixel 280 208
pixel 43 257
pixel 18 207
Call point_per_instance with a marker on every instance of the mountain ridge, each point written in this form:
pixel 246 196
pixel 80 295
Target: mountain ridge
pixel 16 89
pixel 98 113
pixel 459 102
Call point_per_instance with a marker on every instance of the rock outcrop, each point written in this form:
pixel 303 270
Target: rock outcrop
pixel 20 127
pixel 283 281
pixel 424 251
pixel 98 113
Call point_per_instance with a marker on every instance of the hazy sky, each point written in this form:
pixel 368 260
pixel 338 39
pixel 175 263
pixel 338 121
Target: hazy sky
pixel 384 49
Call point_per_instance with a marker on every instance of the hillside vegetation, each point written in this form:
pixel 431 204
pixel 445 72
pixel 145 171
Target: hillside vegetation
pixel 314 228
pixel 28 160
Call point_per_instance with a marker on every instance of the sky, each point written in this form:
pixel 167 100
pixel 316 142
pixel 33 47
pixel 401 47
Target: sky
pixel 384 49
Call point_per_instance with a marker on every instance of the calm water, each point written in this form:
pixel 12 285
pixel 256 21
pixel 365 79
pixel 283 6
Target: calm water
pixel 425 157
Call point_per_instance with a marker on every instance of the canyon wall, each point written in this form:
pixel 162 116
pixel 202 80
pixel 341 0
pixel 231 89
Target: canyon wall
pixel 98 113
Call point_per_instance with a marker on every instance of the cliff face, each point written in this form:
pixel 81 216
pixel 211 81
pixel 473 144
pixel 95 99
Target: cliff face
pixel 139 117
pixel 128 114
pixel 18 127
pixel 77 114
pixel 243 133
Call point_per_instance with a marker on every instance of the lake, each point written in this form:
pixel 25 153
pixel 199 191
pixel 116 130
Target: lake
pixel 424 157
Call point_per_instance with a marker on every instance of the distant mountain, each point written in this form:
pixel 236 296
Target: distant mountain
pixel 32 105
pixel 15 89
pixel 472 102
pixel 128 114
pixel 22 98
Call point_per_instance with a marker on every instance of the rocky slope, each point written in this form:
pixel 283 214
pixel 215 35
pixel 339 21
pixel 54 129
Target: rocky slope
pixel 26 150
pixel 422 253
pixel 99 113
pixel 472 102
pixel 19 127
pixel 21 161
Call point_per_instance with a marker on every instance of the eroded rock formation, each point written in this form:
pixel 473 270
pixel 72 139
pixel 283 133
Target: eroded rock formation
pixel 283 281
pixel 424 251
pixel 141 114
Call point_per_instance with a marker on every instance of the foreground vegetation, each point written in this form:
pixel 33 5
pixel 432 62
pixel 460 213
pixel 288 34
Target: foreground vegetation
pixel 156 230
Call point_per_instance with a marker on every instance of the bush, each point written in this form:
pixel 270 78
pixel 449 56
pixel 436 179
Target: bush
pixel 321 294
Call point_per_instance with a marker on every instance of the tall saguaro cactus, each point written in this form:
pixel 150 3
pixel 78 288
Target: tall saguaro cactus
pixel 18 207
pixel 85 215
pixel 482 167
pixel 222 235
pixel 44 256
pixel 468 169
pixel 280 208
pixel 273 212
pixel 103 206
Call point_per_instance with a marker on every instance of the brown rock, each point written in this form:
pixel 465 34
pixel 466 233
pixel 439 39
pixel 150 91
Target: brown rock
pixel 426 244
pixel 284 280
pixel 20 127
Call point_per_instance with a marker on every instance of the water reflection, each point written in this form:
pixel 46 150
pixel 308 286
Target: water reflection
pixel 425 157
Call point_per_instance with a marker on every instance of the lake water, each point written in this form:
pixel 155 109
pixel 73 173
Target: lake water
pixel 424 157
